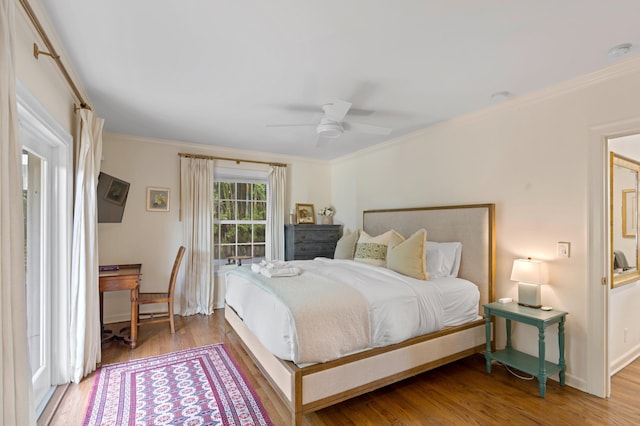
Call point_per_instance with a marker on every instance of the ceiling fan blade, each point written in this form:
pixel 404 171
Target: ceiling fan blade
pixel 300 108
pixel 315 108
pixel 366 128
pixel 337 110
pixel 293 125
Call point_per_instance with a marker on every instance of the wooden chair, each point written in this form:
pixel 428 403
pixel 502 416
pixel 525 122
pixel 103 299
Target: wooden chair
pixel 150 298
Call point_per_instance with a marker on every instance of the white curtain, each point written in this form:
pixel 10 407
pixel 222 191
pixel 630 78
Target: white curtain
pixel 196 196
pixel 16 396
pixel 274 249
pixel 85 333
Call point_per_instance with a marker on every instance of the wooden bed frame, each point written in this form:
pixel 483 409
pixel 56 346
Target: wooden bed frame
pixel 317 386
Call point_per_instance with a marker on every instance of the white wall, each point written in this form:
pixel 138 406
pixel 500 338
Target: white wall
pixel 529 157
pixel 153 238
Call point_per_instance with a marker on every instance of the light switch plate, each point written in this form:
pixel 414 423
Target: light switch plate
pixel 563 249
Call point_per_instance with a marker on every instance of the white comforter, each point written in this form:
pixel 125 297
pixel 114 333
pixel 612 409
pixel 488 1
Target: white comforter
pixel 399 307
pixel 329 317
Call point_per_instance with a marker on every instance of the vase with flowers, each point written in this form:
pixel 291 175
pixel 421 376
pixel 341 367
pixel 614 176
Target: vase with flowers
pixel 326 215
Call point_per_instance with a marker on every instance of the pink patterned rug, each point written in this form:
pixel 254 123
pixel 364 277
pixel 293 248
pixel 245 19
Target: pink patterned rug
pixel 200 386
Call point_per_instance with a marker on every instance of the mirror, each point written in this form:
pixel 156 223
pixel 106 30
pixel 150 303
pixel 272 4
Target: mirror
pixel 623 192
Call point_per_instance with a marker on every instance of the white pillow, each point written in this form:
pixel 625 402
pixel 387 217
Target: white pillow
pixel 346 246
pixel 435 263
pixel 373 250
pixel 443 259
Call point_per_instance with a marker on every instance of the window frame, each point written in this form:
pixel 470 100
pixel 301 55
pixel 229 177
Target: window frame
pixel 239 176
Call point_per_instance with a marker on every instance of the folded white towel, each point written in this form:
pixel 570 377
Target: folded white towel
pixel 280 272
pixel 273 264
pixel 276 268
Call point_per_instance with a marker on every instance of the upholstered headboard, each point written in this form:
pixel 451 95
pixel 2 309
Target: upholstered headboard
pixel 473 225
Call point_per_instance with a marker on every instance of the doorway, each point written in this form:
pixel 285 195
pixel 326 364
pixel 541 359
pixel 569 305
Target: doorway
pixel 47 177
pixel 598 377
pixel 624 317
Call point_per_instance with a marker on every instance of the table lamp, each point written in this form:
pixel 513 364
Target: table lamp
pixel 530 274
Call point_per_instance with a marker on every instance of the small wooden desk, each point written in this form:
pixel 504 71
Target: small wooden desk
pixel 122 277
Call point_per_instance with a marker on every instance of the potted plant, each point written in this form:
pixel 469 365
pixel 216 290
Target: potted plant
pixel 326 215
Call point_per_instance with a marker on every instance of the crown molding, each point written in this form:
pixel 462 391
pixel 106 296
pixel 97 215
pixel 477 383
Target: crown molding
pixel 214 150
pixel 622 69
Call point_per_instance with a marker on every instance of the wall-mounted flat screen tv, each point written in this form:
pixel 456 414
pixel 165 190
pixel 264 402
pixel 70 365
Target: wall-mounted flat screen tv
pixel 112 197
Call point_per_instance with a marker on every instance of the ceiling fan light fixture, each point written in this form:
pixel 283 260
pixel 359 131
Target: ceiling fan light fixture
pixel 329 128
pixel 501 96
pixel 619 50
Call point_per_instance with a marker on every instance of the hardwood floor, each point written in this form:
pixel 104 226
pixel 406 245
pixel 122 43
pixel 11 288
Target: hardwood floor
pixel 458 393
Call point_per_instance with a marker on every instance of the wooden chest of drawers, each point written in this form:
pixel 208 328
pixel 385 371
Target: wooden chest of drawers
pixel 303 242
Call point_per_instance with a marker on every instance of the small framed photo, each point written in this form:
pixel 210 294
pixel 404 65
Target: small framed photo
pixel 157 199
pixel 305 213
pixel 117 191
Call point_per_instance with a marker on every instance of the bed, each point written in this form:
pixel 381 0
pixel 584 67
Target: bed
pixel 309 386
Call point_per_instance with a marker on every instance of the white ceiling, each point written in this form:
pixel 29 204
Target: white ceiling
pixel 221 72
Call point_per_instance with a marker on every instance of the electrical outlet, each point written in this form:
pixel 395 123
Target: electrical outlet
pixel 563 249
pixel 626 334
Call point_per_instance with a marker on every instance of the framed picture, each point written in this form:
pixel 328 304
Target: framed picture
pixel 629 215
pixel 157 199
pixel 305 213
pixel 117 191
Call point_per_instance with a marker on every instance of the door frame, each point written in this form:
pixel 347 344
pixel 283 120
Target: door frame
pixel 36 123
pixel 598 379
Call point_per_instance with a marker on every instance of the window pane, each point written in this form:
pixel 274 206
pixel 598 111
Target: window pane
pixel 226 251
pixel 244 191
pixel 33 202
pixel 244 210
pixel 258 251
pixel 260 191
pixel 260 210
pixel 244 250
pixel 227 190
pixel 259 233
pixel 228 235
pixel 244 234
pixel 227 210
pixel 216 191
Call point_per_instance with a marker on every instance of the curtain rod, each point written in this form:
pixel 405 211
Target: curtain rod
pixel 237 160
pixel 52 52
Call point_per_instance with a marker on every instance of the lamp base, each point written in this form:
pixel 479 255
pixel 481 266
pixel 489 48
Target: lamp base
pixel 529 295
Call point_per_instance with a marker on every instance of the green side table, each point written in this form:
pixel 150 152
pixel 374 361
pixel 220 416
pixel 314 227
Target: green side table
pixel 536 366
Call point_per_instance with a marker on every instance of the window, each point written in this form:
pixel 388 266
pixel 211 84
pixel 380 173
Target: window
pixel 240 220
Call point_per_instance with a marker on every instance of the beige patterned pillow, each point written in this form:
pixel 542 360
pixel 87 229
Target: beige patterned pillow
pixel 346 246
pixel 408 257
pixel 373 250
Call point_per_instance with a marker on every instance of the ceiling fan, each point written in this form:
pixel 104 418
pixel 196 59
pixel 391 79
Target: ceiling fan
pixel 333 123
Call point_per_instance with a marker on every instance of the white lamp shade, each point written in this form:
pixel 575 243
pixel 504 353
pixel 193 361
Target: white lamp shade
pixel 529 271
